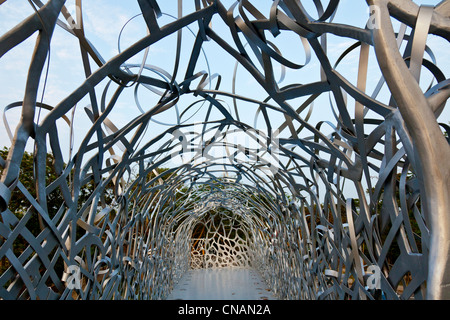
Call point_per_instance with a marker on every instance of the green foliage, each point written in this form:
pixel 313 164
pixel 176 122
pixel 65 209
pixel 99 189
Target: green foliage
pixel 19 203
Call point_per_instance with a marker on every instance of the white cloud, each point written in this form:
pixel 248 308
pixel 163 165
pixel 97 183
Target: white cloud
pixel 13 12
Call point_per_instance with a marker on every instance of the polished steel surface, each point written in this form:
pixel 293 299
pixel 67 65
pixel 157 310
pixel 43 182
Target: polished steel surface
pixel 328 187
pixel 221 284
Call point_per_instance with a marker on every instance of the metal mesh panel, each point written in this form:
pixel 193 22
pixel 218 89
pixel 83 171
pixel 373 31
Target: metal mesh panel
pixel 343 192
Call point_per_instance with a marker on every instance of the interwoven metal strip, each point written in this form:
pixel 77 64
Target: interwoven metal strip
pixel 341 191
pixel 223 242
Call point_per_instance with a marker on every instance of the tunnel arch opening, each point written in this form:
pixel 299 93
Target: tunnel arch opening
pixel 323 177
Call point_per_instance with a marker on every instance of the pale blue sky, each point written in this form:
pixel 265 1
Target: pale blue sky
pixel 104 20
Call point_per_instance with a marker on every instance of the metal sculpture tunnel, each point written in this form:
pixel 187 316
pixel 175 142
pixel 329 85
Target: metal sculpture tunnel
pixel 269 134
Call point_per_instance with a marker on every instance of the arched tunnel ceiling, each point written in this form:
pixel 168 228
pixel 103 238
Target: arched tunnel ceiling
pixel 283 110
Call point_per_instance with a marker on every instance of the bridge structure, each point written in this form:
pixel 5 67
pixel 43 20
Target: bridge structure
pixel 258 141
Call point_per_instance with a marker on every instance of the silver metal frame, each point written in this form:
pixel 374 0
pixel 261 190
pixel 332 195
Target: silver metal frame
pixel 310 240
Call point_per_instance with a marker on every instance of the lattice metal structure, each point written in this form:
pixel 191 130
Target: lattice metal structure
pixel 220 240
pixel 117 218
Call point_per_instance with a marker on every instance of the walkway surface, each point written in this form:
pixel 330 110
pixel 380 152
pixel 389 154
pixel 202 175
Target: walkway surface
pixel 221 284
